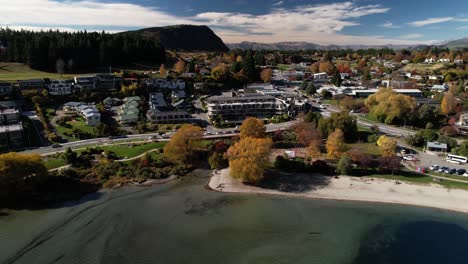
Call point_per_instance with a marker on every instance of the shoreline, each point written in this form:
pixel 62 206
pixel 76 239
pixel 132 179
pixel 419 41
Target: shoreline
pixel 368 190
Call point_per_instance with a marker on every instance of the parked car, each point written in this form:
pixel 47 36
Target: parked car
pixel 465 174
pixel 461 171
pixel 409 158
pixel 421 169
pixel 443 169
pixel 434 167
pixel 56 145
pixel 452 171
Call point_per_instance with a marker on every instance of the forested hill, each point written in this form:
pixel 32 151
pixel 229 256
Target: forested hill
pixel 185 38
pixel 81 51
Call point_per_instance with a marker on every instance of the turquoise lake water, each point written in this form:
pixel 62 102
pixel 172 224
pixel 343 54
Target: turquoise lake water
pixel 183 222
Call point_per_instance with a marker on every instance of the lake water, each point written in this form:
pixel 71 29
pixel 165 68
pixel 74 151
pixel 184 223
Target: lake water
pixel 182 222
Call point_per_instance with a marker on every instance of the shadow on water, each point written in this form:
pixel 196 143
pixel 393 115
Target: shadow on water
pixel 293 183
pixel 416 242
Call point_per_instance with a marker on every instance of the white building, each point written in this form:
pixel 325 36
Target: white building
pixel 320 77
pixel 57 87
pixel 458 61
pixel 85 82
pixel 166 84
pixel 443 60
pixel 430 60
pixel 89 113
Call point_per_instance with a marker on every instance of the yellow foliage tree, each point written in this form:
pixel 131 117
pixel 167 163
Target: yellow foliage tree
pixel 448 104
pixel 183 144
pixel 179 67
pixel 248 158
pixel 266 75
pixel 336 146
pixel 15 167
pixel 313 151
pixel 387 146
pixel 326 67
pixel 388 106
pixel 252 127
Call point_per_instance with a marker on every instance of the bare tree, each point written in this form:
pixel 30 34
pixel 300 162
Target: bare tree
pixel 60 66
pixel 70 64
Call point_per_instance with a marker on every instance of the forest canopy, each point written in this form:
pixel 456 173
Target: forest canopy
pixel 81 51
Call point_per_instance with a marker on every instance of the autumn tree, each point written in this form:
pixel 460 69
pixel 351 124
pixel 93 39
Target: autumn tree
pixel 315 67
pixel 179 67
pixel 347 103
pixel 252 127
pixel 162 70
pixel 15 167
pixel 326 67
pixel 387 146
pixel 336 146
pixel 306 132
pixel 248 158
pixel 182 146
pixel 313 150
pixel 448 104
pixel 266 75
pixel 390 107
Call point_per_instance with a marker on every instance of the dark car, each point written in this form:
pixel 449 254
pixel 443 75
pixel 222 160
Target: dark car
pixel 452 171
pixel 56 146
pixel 461 171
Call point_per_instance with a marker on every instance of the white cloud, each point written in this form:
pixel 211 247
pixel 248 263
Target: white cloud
pixel 83 13
pixel 411 36
pixel 430 21
pixel 278 3
pixel 321 23
pixel 389 24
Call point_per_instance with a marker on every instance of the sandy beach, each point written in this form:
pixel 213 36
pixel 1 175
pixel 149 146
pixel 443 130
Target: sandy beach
pixel 360 189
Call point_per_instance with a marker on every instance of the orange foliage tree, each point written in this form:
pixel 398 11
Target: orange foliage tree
pixel 306 132
pixel 266 75
pixel 252 127
pixel 179 67
pixel 336 146
pixel 182 146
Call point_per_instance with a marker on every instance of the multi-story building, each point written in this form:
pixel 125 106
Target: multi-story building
pixel 58 87
pixel 89 112
pixel 5 88
pixel 85 83
pixel 128 113
pixel 11 130
pixel 236 108
pixel 171 117
pixel 108 81
pixel 156 101
pixel 36 84
pixel 462 124
pixel 364 93
pixel 165 84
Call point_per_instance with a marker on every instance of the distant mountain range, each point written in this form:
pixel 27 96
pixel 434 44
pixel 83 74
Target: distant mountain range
pixel 460 43
pixel 184 38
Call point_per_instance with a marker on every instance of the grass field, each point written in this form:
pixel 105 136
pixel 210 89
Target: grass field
pixel 18 71
pixel 423 179
pixel 424 68
pixel 54 162
pixel 77 123
pixel 366 148
pixel 130 151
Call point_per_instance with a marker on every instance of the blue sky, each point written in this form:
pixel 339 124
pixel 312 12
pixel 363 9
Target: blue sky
pixel 322 22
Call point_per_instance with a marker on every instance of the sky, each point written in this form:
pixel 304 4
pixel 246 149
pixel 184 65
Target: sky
pixel 367 22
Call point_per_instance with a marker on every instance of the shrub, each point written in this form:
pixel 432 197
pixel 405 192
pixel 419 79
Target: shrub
pixel 344 165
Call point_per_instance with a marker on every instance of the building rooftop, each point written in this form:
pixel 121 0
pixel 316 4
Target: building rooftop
pixel 436 145
pixel 11 128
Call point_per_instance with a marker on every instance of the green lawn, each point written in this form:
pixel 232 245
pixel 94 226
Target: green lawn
pixel 130 151
pixel 366 148
pixel 422 179
pixel 284 67
pixel 10 71
pixel 77 123
pixel 54 162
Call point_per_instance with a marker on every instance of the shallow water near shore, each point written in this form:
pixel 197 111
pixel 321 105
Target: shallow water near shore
pixel 182 222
